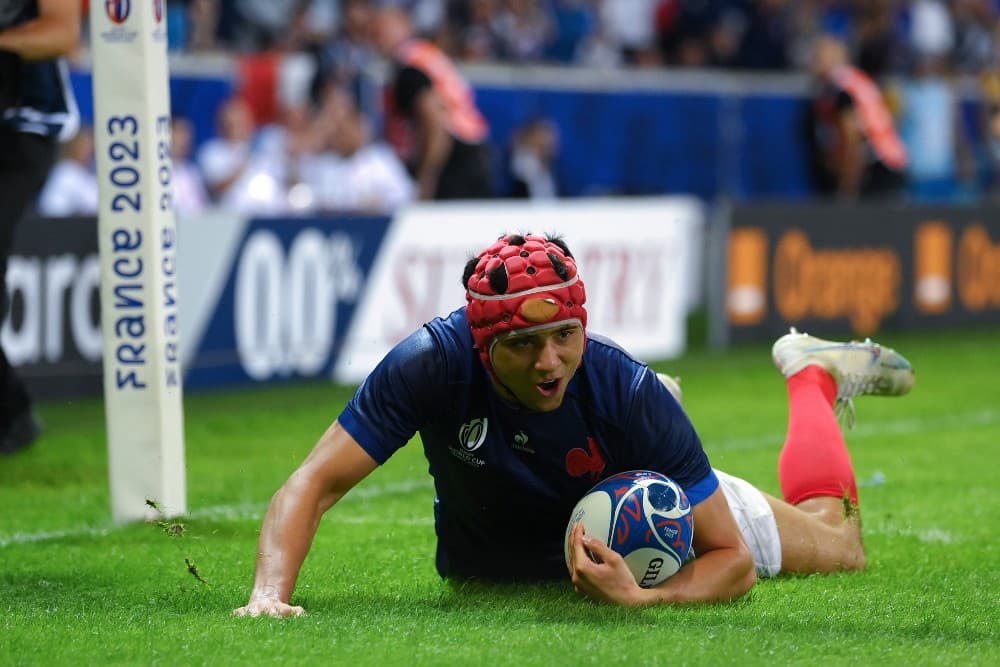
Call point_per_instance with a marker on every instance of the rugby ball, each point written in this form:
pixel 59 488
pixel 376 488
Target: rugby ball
pixel 645 517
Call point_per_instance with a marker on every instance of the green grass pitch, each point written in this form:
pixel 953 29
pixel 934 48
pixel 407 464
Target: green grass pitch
pixel 75 589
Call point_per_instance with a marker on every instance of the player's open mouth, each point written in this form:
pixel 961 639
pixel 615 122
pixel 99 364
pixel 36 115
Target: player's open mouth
pixel 549 387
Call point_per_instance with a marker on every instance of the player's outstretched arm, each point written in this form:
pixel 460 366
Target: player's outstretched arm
pixel 334 466
pixel 53 33
pixel 432 117
pixel 723 570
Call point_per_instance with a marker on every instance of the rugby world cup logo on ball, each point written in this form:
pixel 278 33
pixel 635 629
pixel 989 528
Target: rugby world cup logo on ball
pixel 645 517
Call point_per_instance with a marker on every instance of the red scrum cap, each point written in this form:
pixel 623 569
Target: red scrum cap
pixel 522 282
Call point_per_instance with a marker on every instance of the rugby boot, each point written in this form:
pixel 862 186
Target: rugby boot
pixel 862 368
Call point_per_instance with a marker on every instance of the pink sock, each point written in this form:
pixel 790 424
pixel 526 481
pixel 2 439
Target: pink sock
pixel 814 461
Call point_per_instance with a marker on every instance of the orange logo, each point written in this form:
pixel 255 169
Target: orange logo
pixel 978 269
pixel 933 242
pixel 746 291
pixel 860 284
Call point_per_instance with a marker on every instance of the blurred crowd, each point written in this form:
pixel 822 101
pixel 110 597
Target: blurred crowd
pixel 886 35
pixel 310 128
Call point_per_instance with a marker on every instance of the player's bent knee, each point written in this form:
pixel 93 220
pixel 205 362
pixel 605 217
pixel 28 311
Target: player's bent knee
pixel 848 559
pixel 857 561
pixel 749 581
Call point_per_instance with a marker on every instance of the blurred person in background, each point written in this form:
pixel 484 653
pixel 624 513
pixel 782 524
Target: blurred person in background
pixel 37 110
pixel 856 150
pixel 989 118
pixel 240 176
pixel 700 34
pixel 182 18
pixel 354 174
pixel 767 35
pixel 878 42
pixel 631 26
pixel 342 60
pixel 223 158
pixel 71 189
pixel 931 33
pixel 202 20
pixel 251 26
pixel 285 145
pixel 432 119
pixel 472 29
pixel 976 34
pixel 536 145
pixel 941 164
pixel 575 21
pixel 428 17
pixel 190 194
pixel 599 49
pixel 524 30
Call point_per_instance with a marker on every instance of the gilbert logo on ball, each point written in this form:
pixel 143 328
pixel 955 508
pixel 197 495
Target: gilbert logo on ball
pixel 642 515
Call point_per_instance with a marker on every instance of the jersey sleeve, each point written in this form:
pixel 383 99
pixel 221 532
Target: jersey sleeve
pixel 665 439
pixel 410 82
pixel 398 397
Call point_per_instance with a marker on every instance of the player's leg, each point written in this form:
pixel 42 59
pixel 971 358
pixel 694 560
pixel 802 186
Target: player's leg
pixel 785 538
pixel 818 536
pixel 819 521
pixel 24 164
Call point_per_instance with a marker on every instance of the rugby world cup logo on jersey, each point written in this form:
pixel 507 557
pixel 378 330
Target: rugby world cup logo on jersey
pixel 472 434
pixel 471 437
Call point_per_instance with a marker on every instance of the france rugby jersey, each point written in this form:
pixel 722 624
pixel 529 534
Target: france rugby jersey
pixel 44 103
pixel 508 478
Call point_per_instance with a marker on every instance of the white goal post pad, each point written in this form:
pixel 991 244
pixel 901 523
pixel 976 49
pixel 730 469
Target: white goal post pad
pixel 138 246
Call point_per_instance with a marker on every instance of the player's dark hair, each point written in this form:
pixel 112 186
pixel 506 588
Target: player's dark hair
pixel 498 279
pixel 559 241
pixel 470 268
pixel 559 266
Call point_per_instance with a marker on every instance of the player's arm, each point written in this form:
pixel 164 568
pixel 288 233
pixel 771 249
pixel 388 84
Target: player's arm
pixel 723 570
pixel 850 168
pixel 335 465
pixel 431 116
pixel 54 33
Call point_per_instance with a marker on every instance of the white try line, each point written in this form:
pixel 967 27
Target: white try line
pixel 251 511
pixel 926 535
pixel 255 511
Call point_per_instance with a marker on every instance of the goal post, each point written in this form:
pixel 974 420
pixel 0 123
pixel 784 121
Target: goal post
pixel 138 244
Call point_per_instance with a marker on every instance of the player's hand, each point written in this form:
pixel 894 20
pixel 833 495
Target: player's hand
pixel 609 579
pixel 268 607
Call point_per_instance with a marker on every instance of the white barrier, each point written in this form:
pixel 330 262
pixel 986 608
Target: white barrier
pixel 275 299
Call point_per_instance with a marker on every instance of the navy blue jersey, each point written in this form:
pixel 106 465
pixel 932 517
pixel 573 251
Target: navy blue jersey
pixel 36 94
pixel 507 478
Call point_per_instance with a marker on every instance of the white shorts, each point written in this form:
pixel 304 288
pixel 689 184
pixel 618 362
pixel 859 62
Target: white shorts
pixel 756 520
